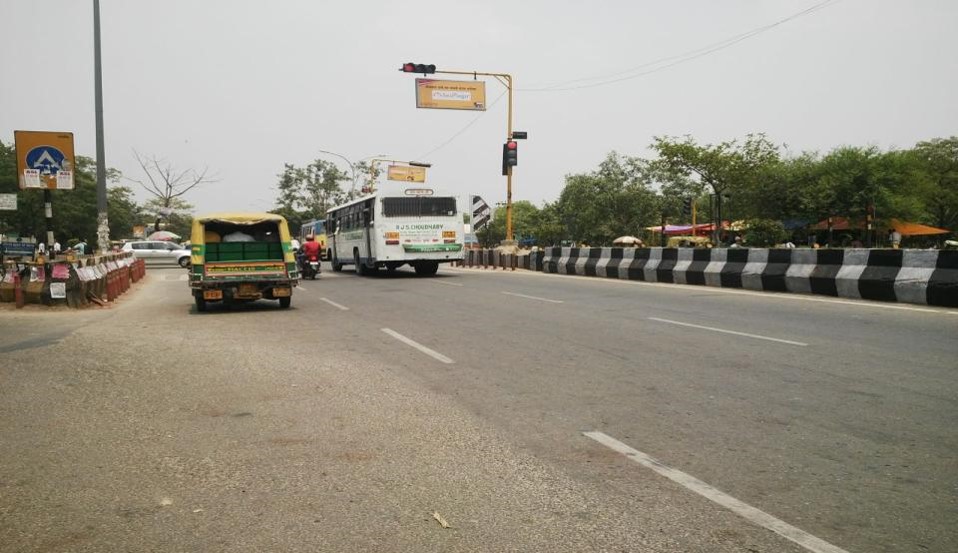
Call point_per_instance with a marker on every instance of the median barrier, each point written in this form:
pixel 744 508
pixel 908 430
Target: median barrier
pixel 904 276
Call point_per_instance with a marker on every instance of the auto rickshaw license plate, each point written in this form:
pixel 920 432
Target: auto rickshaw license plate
pixel 282 292
pixel 212 294
pixel 248 290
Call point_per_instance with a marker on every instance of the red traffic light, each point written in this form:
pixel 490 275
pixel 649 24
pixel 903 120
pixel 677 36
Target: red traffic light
pixel 512 145
pixel 423 68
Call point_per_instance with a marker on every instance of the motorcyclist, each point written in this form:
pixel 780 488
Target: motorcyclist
pixel 310 250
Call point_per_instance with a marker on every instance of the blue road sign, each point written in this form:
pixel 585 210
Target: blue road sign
pixel 17 249
pixel 47 159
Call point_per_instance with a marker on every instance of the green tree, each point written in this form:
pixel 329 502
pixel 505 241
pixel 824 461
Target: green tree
pixel 525 223
pixel 734 171
pixel 615 200
pixel 938 160
pixel 306 193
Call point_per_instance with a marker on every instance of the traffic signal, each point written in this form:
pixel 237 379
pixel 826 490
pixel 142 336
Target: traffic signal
pixel 510 156
pixel 423 68
pixel 687 206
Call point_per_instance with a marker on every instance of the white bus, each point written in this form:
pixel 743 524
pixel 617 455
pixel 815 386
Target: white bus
pixel 404 224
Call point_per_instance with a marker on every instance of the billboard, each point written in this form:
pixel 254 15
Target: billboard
pixel 441 94
pixel 406 173
pixel 45 159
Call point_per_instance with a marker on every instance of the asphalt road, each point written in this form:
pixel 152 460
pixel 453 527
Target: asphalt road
pixel 531 412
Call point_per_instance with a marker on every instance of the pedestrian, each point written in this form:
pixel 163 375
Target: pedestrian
pixel 56 248
pixel 895 238
pixel 80 247
pixel 41 248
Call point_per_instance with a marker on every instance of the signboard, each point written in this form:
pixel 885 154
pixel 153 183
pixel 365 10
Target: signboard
pixel 58 290
pixel 45 159
pixel 440 94
pixel 406 173
pixel 8 202
pixel 481 213
pixel 418 192
pixel 17 249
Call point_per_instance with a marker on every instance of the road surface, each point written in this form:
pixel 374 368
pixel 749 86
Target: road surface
pixel 530 412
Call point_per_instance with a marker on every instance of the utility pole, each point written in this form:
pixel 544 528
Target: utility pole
pixel 102 218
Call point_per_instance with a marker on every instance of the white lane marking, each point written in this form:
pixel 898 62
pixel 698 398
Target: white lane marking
pixel 756 516
pixel 532 297
pixel 434 281
pixel 683 288
pixel 409 342
pixel 334 304
pixel 735 332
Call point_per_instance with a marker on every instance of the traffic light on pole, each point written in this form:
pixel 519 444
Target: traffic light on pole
pixel 510 156
pixel 423 68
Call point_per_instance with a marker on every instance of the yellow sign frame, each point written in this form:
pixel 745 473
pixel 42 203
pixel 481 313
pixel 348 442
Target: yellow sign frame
pixel 446 94
pixel 39 177
pixel 406 173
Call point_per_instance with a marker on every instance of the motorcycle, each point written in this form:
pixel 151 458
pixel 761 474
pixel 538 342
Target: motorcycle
pixel 311 267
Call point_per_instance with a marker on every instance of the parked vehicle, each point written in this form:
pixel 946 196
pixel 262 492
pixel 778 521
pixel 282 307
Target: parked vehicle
pixel 156 252
pixel 239 257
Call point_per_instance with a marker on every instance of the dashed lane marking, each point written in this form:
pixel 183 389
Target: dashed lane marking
pixel 752 514
pixel 410 342
pixel 334 304
pixel 734 332
pixel 532 297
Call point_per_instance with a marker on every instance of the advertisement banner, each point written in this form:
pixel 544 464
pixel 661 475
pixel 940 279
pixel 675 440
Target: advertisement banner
pixel 8 202
pixel 406 173
pixel 442 94
pixel 45 159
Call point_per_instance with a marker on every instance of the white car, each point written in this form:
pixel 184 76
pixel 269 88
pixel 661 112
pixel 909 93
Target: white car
pixel 155 252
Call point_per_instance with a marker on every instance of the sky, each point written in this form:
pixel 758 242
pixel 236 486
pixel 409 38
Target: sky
pixel 243 87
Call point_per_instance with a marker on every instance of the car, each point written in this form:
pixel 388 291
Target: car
pixel 156 252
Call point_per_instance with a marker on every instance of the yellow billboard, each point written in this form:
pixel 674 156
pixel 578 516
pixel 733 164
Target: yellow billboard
pixel 44 159
pixel 440 94
pixel 406 173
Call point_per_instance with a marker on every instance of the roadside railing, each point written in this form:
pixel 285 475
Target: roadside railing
pixel 72 281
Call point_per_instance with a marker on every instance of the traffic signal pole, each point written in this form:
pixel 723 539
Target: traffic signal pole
pixel 507 81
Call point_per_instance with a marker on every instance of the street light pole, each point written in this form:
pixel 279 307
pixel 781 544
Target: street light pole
pixel 103 220
pixel 352 167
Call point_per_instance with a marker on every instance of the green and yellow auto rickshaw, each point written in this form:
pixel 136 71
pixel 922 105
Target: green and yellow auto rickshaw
pixel 238 257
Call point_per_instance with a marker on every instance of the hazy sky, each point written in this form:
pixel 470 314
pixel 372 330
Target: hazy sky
pixel 246 86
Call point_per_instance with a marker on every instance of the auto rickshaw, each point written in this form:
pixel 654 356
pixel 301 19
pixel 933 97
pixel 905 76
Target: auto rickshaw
pixel 238 257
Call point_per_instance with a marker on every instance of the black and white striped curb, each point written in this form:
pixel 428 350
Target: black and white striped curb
pixel 928 277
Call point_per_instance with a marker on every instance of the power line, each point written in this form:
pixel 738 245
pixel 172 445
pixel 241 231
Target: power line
pixel 630 74
pixel 462 130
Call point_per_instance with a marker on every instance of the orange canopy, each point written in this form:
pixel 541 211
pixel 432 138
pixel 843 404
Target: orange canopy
pixel 914 229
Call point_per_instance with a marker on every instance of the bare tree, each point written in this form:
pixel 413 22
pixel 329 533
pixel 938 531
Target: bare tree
pixel 167 184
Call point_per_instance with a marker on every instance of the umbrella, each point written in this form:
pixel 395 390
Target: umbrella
pixel 627 241
pixel 163 235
